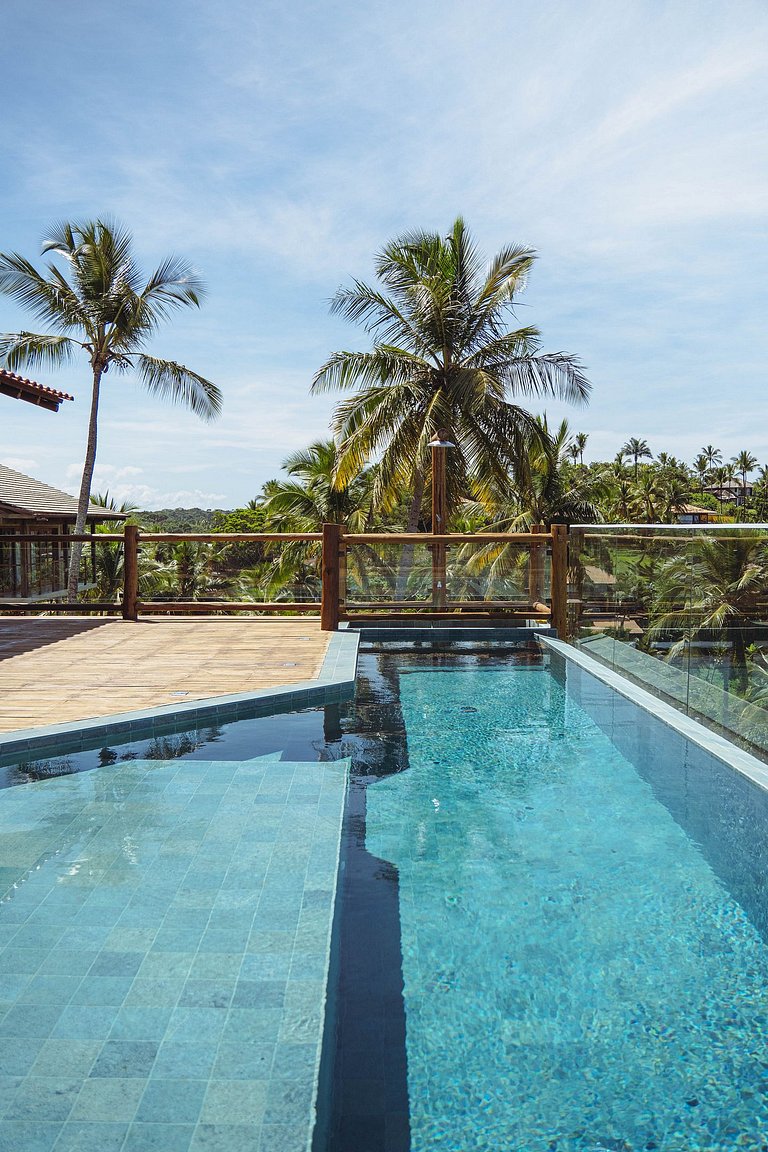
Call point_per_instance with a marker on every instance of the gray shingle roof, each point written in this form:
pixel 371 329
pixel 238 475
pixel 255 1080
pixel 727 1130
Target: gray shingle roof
pixel 21 494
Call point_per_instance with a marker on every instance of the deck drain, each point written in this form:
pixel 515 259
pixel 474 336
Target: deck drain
pixel 290 664
pixel 179 693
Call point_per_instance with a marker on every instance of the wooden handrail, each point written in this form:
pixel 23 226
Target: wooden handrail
pixel 447 539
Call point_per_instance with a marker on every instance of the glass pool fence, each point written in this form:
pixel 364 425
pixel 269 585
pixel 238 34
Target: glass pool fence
pixel 683 611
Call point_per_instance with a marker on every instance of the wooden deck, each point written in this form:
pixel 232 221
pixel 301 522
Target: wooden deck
pixel 54 671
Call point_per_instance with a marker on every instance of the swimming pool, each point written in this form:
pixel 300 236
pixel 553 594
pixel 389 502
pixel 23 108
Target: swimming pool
pixel 549 930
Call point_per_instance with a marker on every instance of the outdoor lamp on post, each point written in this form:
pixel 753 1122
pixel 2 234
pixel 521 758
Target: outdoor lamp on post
pixel 439 444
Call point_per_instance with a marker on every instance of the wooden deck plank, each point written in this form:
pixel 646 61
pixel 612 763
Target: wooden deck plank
pixel 56 670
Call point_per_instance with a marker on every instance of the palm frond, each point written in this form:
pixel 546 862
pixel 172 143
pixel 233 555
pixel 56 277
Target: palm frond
pixel 29 350
pixel 180 385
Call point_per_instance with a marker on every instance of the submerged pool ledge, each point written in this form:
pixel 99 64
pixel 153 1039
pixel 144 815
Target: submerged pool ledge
pixel 712 742
pixel 335 682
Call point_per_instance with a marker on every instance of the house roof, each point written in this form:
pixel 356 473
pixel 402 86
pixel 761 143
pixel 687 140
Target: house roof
pixel 22 389
pixel 20 495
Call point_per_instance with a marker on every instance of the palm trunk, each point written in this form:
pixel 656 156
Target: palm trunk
pixel 406 554
pixel 85 490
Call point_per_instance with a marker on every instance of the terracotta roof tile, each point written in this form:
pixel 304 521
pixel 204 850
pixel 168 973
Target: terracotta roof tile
pixel 23 389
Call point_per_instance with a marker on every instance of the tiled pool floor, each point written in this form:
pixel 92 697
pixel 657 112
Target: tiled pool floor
pixel 164 939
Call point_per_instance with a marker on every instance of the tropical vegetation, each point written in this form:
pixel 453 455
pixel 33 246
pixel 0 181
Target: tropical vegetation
pixel 98 305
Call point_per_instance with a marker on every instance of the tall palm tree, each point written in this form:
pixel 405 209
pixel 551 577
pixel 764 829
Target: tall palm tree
pixel 637 449
pixel 744 463
pixel 701 467
pixel 713 456
pixel 581 443
pixel 443 358
pixel 98 305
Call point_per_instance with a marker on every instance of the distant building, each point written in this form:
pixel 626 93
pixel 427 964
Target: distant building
pixel 730 492
pixel 30 571
pixel 692 514
pixel 20 388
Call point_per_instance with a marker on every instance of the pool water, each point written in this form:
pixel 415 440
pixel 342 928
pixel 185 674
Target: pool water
pixel 574 972
pixel 548 935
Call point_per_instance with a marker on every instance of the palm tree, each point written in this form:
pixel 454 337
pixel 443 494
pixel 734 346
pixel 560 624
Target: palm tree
pixel 581 443
pixel 637 449
pixel 99 306
pixel 713 456
pixel 312 498
pixel 745 462
pixel 443 358
pixel 701 467
pixel 306 502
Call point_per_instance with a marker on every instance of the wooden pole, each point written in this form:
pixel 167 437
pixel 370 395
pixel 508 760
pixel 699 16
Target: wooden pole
pixel 329 610
pixel 559 580
pixel 536 567
pixel 131 572
pixel 439 501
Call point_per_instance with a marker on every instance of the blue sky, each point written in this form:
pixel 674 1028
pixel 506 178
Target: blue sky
pixel 278 146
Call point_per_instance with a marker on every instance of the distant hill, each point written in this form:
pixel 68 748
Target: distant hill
pixel 178 519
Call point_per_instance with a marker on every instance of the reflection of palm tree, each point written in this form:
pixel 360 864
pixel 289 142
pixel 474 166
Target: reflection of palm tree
pixel 717 587
pixel 103 310
pixel 443 360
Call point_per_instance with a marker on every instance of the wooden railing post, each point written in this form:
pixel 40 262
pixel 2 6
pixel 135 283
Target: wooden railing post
pixel 559 580
pixel 329 608
pixel 535 568
pixel 131 572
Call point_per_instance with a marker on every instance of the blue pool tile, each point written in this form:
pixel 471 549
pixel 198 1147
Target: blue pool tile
pixel 207 993
pixel 158 1137
pixel 177 1059
pixel 239 1061
pixel 26 960
pixel 17 1057
pixel 81 1136
pixel 85 1022
pixel 124 1059
pixel 294 1061
pixel 9 1086
pixel 29 1020
pixel 228 1138
pixel 76 1057
pixel 108 1099
pixel 154 993
pixel 287 1099
pixel 259 994
pixel 117 963
pixel 27 1136
pixel 172 1101
pixel 140 1023
pixel 235 1102
pixel 75 963
pixel 44 1098
pixel 196 1024
pixel 46 989
pixel 162 965
pixel 103 991
pixel 253 1025
pixel 283 1137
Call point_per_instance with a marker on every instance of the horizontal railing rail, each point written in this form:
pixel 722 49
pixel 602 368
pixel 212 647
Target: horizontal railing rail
pixel 441 591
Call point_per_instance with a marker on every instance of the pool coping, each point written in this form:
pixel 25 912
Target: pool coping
pixel 335 682
pixel 716 745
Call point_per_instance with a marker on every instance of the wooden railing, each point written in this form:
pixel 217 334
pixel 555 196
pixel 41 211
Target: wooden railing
pixel 333 606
